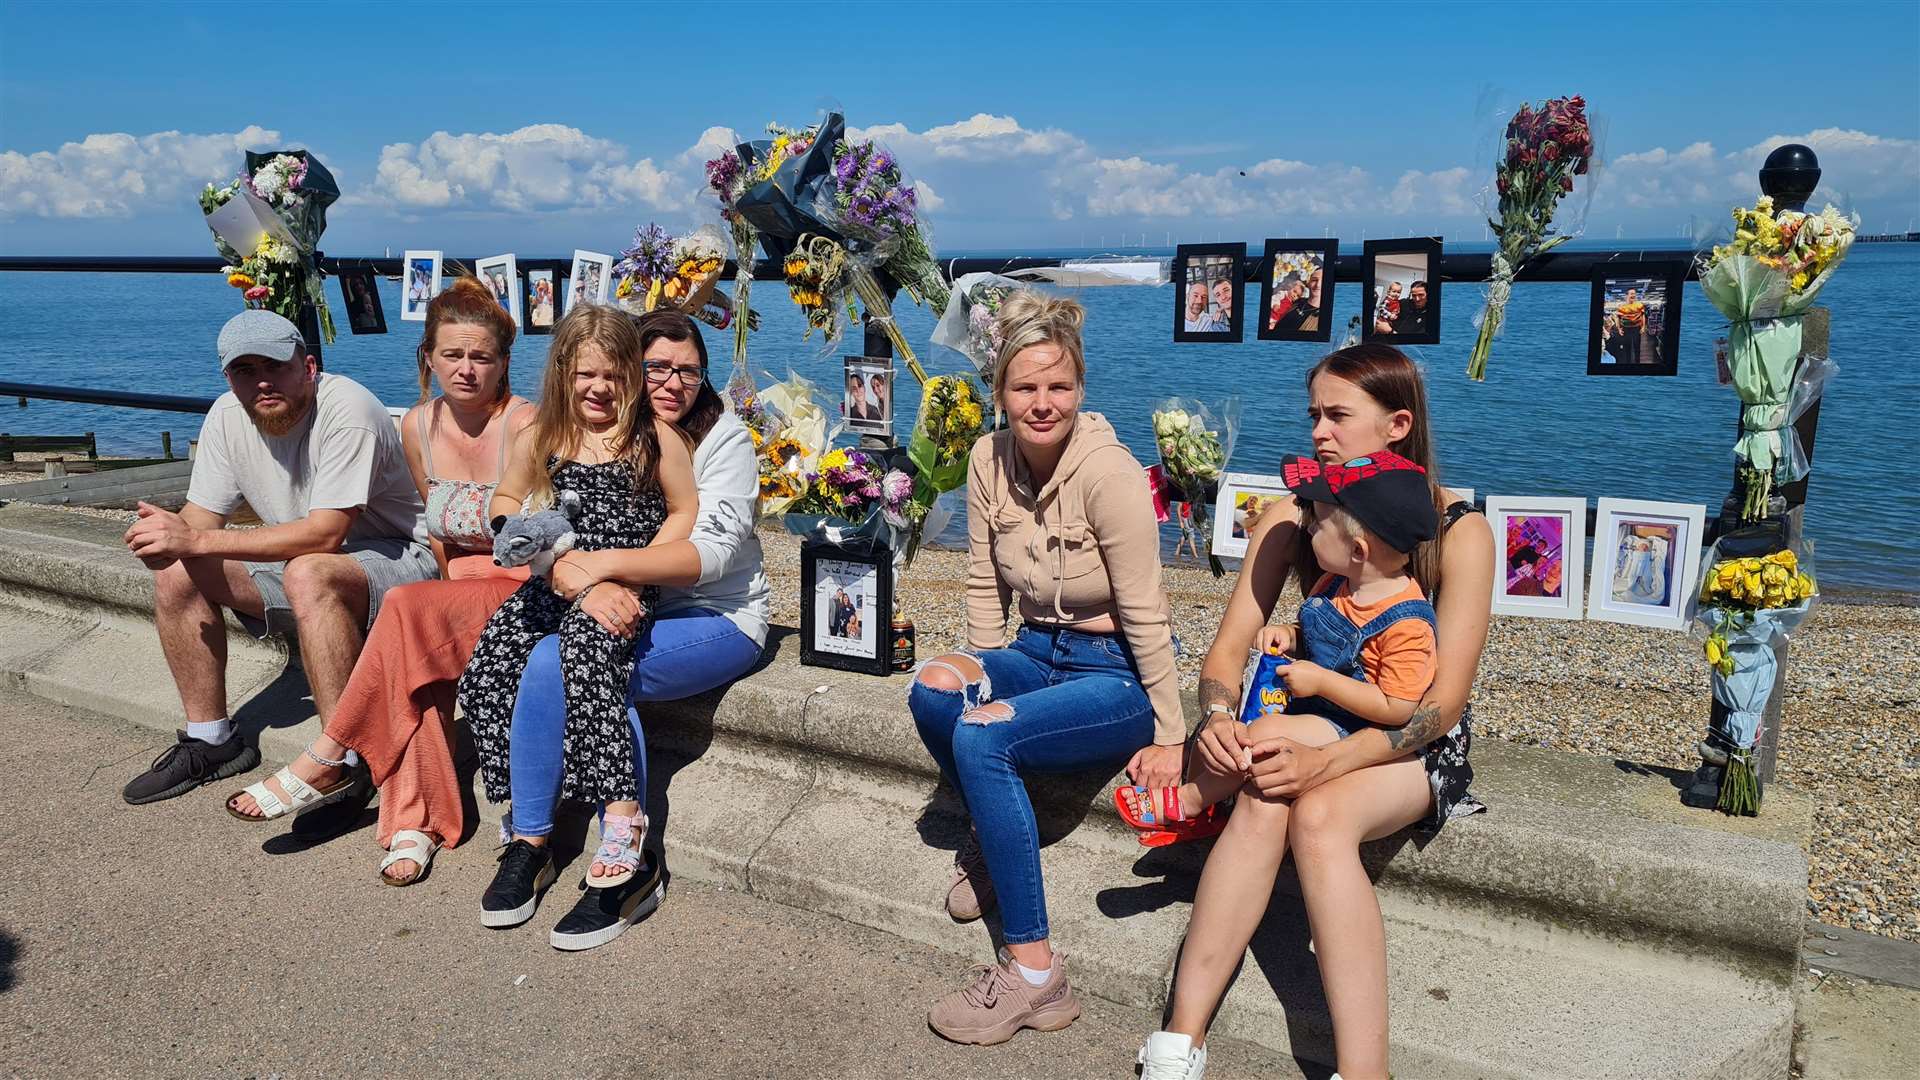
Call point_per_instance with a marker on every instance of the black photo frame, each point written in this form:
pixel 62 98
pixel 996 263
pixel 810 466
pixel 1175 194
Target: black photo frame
pixel 832 633
pixel 1612 346
pixel 1302 320
pixel 1414 325
pixel 1210 265
pixel 530 295
pixel 360 300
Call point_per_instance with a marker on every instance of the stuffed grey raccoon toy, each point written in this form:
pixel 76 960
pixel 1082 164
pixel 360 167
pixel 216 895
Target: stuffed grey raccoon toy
pixel 536 539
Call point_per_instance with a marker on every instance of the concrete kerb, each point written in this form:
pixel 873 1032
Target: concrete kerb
pixel 809 787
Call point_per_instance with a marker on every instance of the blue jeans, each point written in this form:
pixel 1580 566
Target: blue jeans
pixel 686 652
pixel 1077 705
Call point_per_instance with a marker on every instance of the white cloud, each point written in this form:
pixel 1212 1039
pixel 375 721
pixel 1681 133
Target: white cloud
pixel 981 137
pixel 538 167
pixel 1853 165
pixel 925 197
pixel 113 175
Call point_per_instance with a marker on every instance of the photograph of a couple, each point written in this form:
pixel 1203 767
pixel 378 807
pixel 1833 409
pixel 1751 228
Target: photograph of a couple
pixel 844 596
pixel 867 403
pixel 1212 291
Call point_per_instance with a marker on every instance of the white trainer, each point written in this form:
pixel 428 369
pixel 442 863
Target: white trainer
pixel 1170 1056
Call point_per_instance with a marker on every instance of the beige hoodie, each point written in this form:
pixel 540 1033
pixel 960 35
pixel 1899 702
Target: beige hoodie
pixel 1086 545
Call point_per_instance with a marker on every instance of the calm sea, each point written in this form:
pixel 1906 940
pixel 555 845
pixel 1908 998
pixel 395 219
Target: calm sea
pixel 1538 426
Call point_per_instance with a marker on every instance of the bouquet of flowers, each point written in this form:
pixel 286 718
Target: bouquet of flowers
pixel 1748 606
pixel 790 434
pixel 663 271
pixel 730 176
pixel 952 417
pixel 856 486
pixel 971 322
pixel 266 224
pixel 1545 148
pixel 1193 454
pixel 1764 281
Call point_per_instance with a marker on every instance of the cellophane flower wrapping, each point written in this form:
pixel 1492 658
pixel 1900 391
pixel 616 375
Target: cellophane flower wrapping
pixel 791 433
pixel 1195 443
pixel 1546 155
pixel 970 324
pixel 728 177
pixel 661 271
pixel 952 418
pixel 1748 606
pixel 1763 279
pixel 278 275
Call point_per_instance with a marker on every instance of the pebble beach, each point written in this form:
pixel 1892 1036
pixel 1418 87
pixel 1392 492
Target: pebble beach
pixel 1851 734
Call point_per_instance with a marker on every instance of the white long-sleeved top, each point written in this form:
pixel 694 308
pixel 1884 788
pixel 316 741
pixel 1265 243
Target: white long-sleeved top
pixel 733 575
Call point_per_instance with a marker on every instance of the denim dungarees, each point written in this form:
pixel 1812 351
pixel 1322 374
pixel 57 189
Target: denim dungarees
pixel 1333 641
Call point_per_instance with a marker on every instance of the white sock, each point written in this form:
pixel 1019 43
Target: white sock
pixel 214 732
pixel 1034 978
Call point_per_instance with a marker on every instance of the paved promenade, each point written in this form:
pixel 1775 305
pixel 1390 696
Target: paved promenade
pixel 171 940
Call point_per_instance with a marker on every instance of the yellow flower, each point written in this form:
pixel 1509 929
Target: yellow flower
pixel 240 281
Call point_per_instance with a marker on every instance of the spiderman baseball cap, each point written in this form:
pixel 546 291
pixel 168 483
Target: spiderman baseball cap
pixel 1384 492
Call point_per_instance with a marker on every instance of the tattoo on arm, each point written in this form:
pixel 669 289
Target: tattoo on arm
pixel 1423 727
pixel 1212 690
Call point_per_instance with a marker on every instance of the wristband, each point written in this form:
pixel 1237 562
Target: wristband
pixel 1218 707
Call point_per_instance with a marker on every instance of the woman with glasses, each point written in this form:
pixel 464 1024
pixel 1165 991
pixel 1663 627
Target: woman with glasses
pixel 708 629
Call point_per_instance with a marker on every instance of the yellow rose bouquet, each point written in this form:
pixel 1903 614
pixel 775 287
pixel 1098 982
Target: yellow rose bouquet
pixel 1748 605
pixel 1764 280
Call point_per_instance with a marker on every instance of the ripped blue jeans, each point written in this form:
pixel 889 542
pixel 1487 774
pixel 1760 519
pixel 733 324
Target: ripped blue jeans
pixel 1075 703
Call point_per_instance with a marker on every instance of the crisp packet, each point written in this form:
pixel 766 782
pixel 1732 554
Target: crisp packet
pixel 1266 690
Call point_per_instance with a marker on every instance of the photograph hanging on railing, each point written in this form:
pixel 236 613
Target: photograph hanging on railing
pixel 590 279
pixel 360 296
pixel 1242 498
pixel 846 606
pixel 539 302
pixel 1539 554
pixel 1401 297
pixel 867 403
pixel 1296 290
pixel 1212 292
pixel 1634 323
pixel 419 284
pixel 501 275
pixel 1646 562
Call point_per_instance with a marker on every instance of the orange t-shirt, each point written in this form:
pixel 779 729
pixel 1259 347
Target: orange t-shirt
pixel 1399 659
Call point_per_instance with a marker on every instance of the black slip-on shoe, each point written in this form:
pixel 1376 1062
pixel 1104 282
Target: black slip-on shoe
pixel 604 914
pixel 525 872
pixel 189 763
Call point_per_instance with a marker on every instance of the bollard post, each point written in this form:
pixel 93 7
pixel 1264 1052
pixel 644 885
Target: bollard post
pixel 166 445
pixel 54 467
pixel 1790 174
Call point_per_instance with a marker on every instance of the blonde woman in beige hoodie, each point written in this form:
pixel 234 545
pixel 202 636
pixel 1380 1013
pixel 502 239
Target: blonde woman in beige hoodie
pixel 1060 523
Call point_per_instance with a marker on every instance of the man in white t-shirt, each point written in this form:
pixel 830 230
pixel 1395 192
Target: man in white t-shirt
pixel 318 459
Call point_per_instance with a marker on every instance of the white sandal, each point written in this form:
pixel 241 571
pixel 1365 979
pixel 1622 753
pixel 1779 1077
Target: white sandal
pixel 409 845
pixel 304 796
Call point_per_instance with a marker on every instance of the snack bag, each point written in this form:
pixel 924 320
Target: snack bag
pixel 1266 690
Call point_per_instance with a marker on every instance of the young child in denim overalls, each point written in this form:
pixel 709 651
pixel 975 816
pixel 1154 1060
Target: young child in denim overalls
pixel 1364 641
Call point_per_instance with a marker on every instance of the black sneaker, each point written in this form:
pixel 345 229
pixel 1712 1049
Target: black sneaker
pixel 604 914
pixel 525 872
pixel 189 763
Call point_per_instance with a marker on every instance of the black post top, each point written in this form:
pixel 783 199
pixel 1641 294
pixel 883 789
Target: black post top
pixel 1790 174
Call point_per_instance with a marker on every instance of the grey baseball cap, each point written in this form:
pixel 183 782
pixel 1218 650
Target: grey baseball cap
pixel 258 332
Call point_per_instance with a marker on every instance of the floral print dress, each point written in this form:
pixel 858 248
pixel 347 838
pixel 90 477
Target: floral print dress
pixel 596 666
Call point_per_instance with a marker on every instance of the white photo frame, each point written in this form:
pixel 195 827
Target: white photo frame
pixel 419 283
pixel 1539 555
pixel 1645 585
pixel 501 275
pixel 590 279
pixel 1230 509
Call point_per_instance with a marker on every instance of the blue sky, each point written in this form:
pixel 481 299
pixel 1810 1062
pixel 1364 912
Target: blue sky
pixel 482 127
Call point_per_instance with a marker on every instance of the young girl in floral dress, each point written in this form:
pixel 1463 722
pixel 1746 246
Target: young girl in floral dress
pixel 595 436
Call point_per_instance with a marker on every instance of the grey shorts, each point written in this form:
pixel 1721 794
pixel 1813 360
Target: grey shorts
pixel 388 563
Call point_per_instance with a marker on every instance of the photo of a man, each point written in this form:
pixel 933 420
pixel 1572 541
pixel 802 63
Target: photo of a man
pixel 1209 294
pixel 1403 291
pixel 867 400
pixel 1634 325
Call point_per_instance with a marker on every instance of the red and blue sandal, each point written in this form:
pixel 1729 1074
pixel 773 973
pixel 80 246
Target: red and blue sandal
pixel 1164 823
